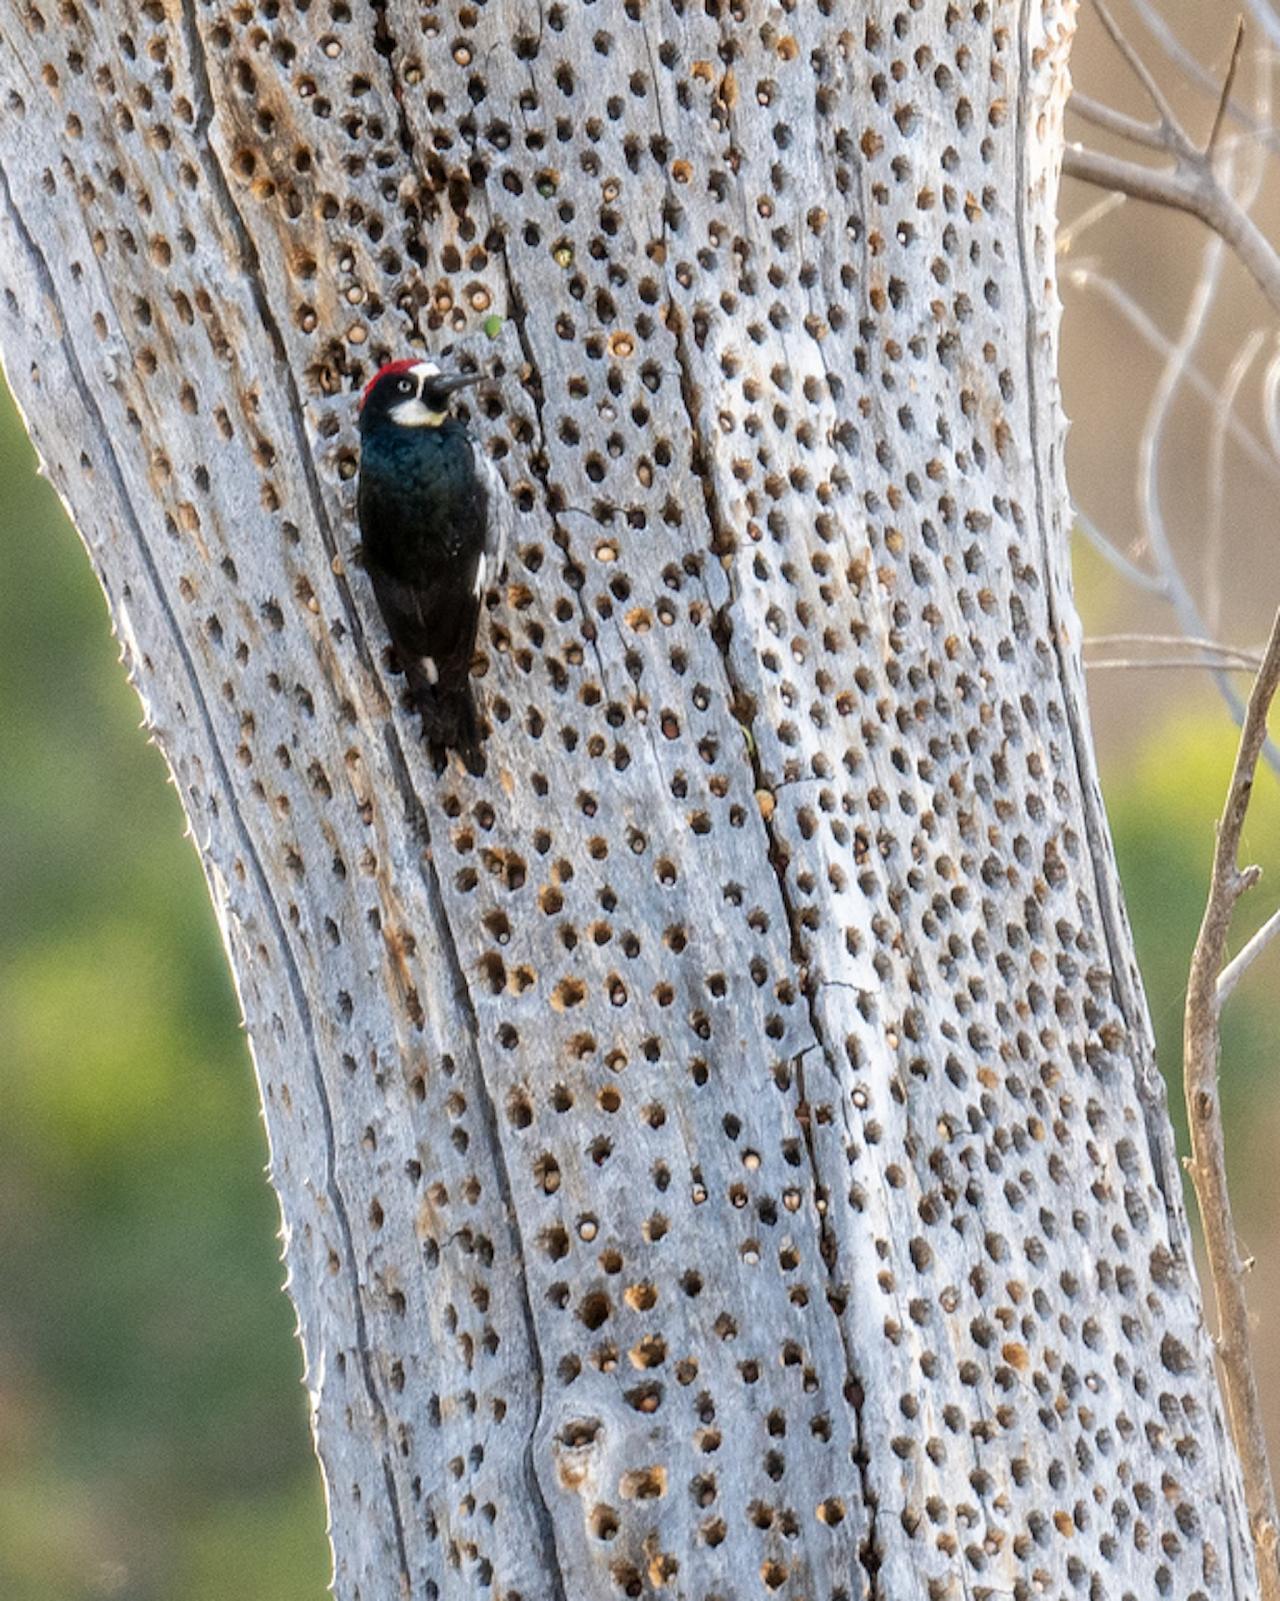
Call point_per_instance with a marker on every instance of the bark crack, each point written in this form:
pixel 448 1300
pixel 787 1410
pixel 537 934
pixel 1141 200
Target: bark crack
pixel 386 45
pixel 539 463
pixel 488 1114
pixel 258 871
pixel 252 265
pixel 869 1553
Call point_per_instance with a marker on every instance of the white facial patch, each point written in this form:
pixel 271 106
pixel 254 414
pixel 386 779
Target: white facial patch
pixel 415 414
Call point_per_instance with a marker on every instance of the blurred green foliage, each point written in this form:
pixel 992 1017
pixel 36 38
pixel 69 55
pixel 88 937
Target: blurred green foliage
pixel 1163 799
pixel 153 1428
pixel 153 1439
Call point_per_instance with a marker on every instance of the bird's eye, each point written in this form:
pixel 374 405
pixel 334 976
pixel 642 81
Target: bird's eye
pixel 405 386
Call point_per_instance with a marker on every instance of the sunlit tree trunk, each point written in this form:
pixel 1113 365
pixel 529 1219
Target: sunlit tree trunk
pixel 719 1148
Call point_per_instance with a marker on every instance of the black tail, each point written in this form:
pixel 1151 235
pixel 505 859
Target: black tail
pixel 450 719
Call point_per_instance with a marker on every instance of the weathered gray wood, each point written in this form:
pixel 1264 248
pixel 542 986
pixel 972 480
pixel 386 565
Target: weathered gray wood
pixel 719 1150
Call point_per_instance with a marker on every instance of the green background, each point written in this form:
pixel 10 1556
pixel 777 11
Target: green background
pixel 153 1424
pixel 153 1435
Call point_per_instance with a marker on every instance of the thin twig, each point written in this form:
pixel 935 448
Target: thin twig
pixel 1121 301
pixel 1127 569
pixel 1175 134
pixel 1224 99
pixel 1224 410
pixel 1069 232
pixel 1184 604
pixel 1270 399
pixel 1202 1045
pixel 1252 659
pixel 1191 185
pixel 1248 954
pixel 1266 20
pixel 1153 436
pixel 1180 597
pixel 1160 664
pixel 1179 594
pixel 1200 76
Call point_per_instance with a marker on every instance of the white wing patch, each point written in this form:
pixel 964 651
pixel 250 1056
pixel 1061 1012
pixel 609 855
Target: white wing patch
pixel 498 528
pixel 481 567
pixel 430 669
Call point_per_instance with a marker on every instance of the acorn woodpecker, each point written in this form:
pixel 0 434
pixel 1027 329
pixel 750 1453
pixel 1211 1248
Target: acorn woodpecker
pixel 433 520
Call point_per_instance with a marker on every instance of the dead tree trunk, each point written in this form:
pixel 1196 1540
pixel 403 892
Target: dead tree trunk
pixel 719 1149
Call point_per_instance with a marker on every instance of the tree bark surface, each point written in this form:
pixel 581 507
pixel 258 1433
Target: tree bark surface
pixel 719 1149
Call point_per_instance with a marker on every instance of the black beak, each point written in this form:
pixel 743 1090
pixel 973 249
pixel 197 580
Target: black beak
pixel 460 380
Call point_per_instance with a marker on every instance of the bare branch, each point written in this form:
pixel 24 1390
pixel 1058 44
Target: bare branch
pixel 1254 658
pixel 1197 74
pixel 1224 99
pixel 1202 1045
pixel 1251 660
pixel 1190 189
pixel 1170 582
pixel 1191 186
pixel 1163 663
pixel 1248 954
pixel 1149 134
pixel 1175 135
pixel 1180 597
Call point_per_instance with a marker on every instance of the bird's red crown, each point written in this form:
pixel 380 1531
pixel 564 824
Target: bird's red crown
pixel 392 367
